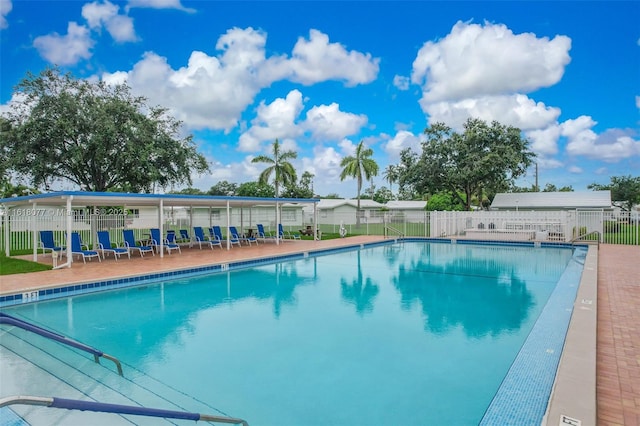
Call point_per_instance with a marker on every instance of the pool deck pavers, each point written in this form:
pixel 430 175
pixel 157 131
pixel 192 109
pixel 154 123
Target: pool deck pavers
pixel 618 304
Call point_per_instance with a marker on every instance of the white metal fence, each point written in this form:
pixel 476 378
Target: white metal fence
pixel 565 226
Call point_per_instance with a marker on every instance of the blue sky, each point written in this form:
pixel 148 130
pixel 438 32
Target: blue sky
pixel 321 76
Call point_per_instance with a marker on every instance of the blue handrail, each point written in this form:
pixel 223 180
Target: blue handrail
pixel 8 319
pixel 74 404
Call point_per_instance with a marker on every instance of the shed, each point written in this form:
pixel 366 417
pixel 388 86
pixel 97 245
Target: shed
pixel 552 200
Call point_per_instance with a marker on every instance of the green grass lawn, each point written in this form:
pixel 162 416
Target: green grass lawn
pixel 10 265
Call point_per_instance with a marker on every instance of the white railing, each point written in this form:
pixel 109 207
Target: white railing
pixel 563 226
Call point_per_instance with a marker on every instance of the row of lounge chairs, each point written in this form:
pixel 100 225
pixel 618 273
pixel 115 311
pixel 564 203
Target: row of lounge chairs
pixel 172 242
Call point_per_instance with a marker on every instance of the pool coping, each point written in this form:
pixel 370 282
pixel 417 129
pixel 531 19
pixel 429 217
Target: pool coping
pixel 573 393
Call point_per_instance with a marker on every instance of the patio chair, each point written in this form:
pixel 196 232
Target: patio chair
pixel 47 243
pixel 130 243
pixel 82 250
pixel 184 237
pixel 218 233
pixel 168 245
pixel 286 235
pixel 201 238
pixel 261 235
pixel 234 233
pixel 105 246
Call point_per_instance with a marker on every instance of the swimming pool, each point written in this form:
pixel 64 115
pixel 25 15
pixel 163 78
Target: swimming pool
pixel 413 333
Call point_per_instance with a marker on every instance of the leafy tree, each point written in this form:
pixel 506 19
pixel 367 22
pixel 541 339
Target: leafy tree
pixel 391 175
pixel 304 189
pixel 332 196
pixel 552 188
pixel 284 172
pixel 359 166
pixel 223 188
pixel 483 157
pixel 189 191
pixel 8 189
pixel 625 190
pixel 383 195
pixel 444 201
pixel 97 136
pixel 256 189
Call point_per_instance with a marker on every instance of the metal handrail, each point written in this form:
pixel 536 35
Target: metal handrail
pixel 8 319
pixel 397 231
pixel 74 404
pixel 580 237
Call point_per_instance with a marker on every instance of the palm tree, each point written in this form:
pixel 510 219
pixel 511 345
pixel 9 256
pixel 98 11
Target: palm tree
pixel 284 172
pixel 359 166
pixel 391 175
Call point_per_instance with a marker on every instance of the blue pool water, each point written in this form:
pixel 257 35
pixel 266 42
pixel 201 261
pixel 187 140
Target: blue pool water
pixel 415 333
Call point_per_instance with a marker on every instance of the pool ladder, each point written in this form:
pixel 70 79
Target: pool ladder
pixel 74 404
pixel 396 231
pixel 97 354
pixel 71 404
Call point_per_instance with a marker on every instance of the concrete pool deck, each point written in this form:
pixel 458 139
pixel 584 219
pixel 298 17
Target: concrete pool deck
pixel 618 307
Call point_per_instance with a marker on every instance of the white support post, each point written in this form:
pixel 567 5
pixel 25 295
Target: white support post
pixel 7 234
pixel 161 227
pixel 228 225
pixel 34 235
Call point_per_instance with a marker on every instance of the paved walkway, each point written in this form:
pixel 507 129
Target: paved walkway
pixel 618 339
pixel 618 343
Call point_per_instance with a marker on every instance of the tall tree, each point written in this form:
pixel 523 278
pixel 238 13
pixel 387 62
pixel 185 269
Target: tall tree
pixel 361 167
pixel 483 157
pixel 224 188
pixel 391 175
pixel 256 189
pixel 97 136
pixel 625 190
pixel 283 171
pixel 303 189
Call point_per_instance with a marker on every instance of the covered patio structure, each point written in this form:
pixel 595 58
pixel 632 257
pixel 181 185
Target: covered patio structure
pixel 69 210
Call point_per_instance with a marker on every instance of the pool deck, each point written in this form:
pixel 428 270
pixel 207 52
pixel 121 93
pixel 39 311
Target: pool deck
pixel 618 304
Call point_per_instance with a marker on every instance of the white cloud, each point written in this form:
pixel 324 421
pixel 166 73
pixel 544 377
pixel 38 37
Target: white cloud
pixel 67 49
pixel 120 27
pixel 575 170
pixel 327 122
pixel 325 164
pixel 610 146
pixel 276 120
pixel 514 110
pixel 159 4
pixel 544 141
pixel 5 8
pixel 638 102
pixel 478 60
pixel 548 163
pixel 401 82
pixel 213 91
pixel 316 60
pixel 402 140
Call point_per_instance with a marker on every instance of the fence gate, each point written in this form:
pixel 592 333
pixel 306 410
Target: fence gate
pixel 589 221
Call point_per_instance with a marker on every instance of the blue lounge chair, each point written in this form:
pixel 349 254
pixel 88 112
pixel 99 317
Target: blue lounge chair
pixel 184 238
pixel 168 245
pixel 201 238
pixel 47 243
pixel 286 235
pixel 261 235
pixel 218 233
pixel 241 237
pixel 130 243
pixel 82 250
pixel 104 245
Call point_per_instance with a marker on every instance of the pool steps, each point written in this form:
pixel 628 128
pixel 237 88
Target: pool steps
pixel 77 376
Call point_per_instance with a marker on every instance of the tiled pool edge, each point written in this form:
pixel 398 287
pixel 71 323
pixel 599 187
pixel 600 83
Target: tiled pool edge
pixel 574 389
pixel 570 389
pixel 42 294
